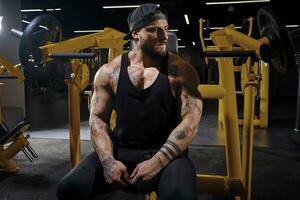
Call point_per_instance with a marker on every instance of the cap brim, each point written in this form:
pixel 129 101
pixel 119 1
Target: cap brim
pixel 128 36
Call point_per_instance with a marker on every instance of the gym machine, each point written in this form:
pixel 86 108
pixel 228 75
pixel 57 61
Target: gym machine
pixel 275 47
pixel 261 70
pixel 40 42
pixel 13 140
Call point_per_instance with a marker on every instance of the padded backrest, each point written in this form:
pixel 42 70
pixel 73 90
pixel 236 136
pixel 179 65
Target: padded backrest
pixel 172 43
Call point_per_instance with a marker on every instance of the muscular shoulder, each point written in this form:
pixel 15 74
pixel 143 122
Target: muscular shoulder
pixel 180 69
pixel 109 72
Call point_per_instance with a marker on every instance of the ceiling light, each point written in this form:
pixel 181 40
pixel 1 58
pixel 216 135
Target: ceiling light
pixel 26 22
pixel 1 18
pixel 292 26
pixel 53 9
pixel 181 47
pixel 124 6
pixel 173 30
pixel 32 10
pixel 194 43
pixel 236 2
pixel 178 39
pixel 186 19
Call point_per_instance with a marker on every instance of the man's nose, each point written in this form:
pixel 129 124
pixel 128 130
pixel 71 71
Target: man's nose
pixel 163 34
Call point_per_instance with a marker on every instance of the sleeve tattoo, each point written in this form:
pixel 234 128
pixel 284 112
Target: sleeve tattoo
pixel 170 150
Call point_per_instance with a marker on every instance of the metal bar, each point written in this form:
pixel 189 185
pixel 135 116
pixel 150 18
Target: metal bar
pixel 16 33
pixel 211 91
pixel 30 158
pixel 264 95
pixel 30 149
pixel 248 128
pixel 297 127
pixel 72 55
pixel 74 122
pixel 228 53
pixel 219 185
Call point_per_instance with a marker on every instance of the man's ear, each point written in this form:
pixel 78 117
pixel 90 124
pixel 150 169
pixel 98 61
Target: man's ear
pixel 135 34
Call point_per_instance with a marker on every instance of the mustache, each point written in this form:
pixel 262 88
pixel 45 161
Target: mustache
pixel 161 42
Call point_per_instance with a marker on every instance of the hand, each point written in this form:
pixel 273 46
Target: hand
pixel 115 172
pixel 145 170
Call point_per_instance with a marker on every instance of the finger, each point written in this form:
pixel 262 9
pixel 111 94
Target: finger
pixel 125 177
pixel 135 171
pixel 136 179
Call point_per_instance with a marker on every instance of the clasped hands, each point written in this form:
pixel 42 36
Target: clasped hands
pixel 115 172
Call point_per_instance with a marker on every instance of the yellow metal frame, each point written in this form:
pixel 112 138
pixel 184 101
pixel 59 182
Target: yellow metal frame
pixel 262 119
pixel 13 70
pixel 237 182
pixel 109 38
pixel 6 154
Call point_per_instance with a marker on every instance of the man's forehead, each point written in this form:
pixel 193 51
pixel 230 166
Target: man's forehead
pixel 159 22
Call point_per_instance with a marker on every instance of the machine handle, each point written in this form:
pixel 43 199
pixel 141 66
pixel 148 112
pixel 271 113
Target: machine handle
pixel 27 154
pixel 72 55
pixel 16 33
pixel 31 151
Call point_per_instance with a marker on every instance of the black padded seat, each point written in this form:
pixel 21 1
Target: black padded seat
pixel 11 134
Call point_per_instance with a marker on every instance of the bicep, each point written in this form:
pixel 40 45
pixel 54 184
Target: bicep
pixel 190 97
pixel 102 98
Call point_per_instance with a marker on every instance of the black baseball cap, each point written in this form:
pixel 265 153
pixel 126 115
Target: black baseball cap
pixel 143 15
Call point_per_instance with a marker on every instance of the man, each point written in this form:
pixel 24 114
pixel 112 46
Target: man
pixel 154 94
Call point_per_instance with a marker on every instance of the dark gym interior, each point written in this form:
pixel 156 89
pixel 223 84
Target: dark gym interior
pixel 42 99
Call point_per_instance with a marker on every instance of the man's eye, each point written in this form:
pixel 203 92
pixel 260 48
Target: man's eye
pixel 153 29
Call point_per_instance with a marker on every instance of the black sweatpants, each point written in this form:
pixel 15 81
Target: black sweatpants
pixel 86 181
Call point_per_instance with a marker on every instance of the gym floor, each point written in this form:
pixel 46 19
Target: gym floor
pixel 276 158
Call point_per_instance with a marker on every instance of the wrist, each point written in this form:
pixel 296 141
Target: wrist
pixel 162 162
pixel 107 158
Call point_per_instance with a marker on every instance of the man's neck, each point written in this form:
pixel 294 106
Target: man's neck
pixel 139 57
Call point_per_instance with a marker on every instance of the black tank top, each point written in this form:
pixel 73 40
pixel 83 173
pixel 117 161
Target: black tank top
pixel 145 117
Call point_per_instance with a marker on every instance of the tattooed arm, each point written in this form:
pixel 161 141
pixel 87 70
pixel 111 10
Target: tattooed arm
pixel 190 104
pixel 101 107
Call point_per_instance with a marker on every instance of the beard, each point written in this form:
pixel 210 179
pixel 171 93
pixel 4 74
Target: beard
pixel 149 51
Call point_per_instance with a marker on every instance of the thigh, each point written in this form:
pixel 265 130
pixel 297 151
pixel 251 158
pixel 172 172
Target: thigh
pixel 178 180
pixel 85 180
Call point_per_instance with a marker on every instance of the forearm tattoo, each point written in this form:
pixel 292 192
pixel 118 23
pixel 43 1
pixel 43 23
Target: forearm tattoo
pixel 175 146
pixel 165 154
pixel 107 166
pixel 180 135
pixel 161 163
pixel 98 127
pixel 168 152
